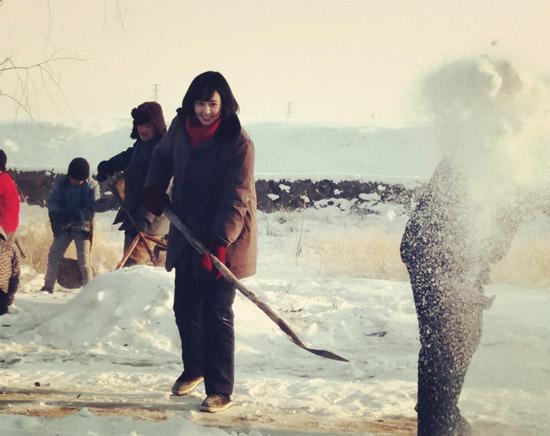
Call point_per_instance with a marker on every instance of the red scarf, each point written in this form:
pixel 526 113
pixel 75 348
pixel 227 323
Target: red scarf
pixel 201 133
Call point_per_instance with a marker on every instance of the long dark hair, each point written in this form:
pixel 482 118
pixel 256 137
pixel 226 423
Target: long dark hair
pixel 202 88
pixel 3 160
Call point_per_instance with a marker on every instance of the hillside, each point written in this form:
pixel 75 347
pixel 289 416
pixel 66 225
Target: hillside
pixel 283 151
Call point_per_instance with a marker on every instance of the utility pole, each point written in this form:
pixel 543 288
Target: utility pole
pixel 155 91
pixel 289 110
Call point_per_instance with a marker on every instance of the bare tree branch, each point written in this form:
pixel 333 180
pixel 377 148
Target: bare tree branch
pixel 19 104
pixel 24 78
pixel 37 65
pixel 24 81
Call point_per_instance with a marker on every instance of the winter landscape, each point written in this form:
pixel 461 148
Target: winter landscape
pixel 101 359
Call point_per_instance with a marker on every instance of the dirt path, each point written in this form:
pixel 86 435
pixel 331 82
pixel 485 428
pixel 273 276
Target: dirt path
pixel 54 403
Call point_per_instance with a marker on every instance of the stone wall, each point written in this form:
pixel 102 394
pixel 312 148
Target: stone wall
pixel 35 187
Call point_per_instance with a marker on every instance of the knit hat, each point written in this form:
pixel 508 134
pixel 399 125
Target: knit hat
pixel 3 160
pixel 79 169
pixel 148 112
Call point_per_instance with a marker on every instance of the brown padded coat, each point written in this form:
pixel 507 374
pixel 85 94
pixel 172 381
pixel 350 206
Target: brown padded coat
pixel 213 193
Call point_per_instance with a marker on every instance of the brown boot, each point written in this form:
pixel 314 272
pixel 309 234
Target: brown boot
pixel 185 384
pixel 216 403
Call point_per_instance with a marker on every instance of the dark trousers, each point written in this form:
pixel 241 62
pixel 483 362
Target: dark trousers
pixel 6 300
pixel 450 321
pixel 204 317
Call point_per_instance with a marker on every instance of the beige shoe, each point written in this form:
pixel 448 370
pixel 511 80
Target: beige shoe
pixel 184 385
pixel 216 403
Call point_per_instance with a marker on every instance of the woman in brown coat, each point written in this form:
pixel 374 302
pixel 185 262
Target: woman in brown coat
pixel 211 160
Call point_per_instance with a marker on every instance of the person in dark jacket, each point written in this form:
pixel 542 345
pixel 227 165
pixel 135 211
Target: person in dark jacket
pixel 448 266
pixel 211 160
pixel 71 211
pixel 148 129
pixel 9 273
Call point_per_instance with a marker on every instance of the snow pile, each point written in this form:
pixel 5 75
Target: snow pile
pixel 124 312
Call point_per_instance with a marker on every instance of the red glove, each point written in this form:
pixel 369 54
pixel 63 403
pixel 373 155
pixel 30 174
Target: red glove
pixel 155 200
pixel 220 252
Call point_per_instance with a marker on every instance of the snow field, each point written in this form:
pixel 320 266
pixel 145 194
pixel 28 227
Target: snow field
pixel 116 341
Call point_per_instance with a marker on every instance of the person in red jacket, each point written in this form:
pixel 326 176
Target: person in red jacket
pixel 9 200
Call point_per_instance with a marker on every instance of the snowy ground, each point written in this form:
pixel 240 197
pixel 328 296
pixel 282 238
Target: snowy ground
pixel 101 360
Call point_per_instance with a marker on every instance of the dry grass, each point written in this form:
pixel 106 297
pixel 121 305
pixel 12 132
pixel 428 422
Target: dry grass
pixel 359 253
pixel 355 247
pixel 527 263
pixel 36 241
pixel 374 253
pixel 331 244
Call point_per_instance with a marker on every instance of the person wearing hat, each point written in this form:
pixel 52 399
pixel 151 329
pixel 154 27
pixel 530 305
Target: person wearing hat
pixel 9 200
pixel 9 273
pixel 148 128
pixel 71 211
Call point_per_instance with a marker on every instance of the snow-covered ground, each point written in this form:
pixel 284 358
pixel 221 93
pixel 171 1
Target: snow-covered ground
pixel 101 360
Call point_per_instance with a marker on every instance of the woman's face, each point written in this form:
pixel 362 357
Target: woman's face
pixel 209 111
pixel 146 131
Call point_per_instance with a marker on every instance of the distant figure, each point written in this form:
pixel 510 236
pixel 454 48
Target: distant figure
pixel 9 273
pixel 9 200
pixel 148 128
pixel 448 268
pixel 71 211
pixel 211 159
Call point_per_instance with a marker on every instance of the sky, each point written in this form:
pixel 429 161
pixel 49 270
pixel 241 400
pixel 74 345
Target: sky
pixel 327 62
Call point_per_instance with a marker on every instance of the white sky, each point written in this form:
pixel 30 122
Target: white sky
pixel 337 62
